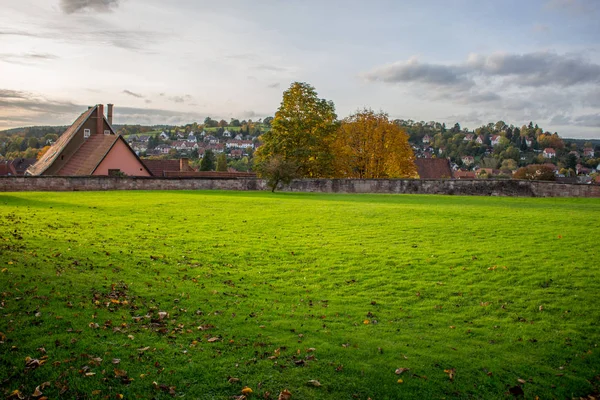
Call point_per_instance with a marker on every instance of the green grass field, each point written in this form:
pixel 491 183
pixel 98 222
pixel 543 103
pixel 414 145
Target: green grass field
pixel 200 294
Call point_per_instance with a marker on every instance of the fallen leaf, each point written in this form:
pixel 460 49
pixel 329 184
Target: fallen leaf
pixel 399 371
pixel 246 390
pixel 366 322
pixel 523 381
pixel 213 339
pixel 233 380
pixel 313 382
pixel 450 373
pixel 284 395
pixel 452 327
pixel 16 394
pixel 120 373
pixel 400 381
pixel 96 392
pixel 116 360
pixel 162 315
pixel 310 350
pixel 141 350
pixel 37 392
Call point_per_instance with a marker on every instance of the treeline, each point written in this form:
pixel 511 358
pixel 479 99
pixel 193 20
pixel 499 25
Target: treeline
pixel 499 145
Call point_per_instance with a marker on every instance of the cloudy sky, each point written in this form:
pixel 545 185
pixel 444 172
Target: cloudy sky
pixel 178 61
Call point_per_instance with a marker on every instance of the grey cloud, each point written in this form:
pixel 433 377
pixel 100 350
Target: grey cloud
pixel 180 99
pixel 415 71
pixel 91 29
pixel 272 68
pixel 537 69
pixel 591 120
pixel 273 85
pixel 26 58
pixel 561 120
pixel 130 93
pixel 73 6
pixel 578 7
pixel 23 106
pixel 17 33
pixel 13 94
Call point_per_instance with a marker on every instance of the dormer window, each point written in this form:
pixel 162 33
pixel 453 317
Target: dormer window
pixel 107 132
pixel 86 133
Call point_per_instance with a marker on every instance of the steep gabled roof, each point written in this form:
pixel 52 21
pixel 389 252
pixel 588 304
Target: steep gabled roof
pixel 88 156
pixel 53 152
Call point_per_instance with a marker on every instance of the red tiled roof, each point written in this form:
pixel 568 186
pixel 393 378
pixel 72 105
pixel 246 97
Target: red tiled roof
pixel 433 168
pixel 20 165
pixel 158 167
pixel 88 156
pixel 6 168
pixel 53 152
pixel 464 174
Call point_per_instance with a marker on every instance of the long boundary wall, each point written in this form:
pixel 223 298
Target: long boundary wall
pixel 477 187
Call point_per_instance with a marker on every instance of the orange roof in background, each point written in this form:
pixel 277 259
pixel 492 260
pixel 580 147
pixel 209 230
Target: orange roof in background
pixel 53 152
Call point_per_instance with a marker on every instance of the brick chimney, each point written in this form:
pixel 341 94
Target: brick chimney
pixel 110 113
pixel 99 119
pixel 184 164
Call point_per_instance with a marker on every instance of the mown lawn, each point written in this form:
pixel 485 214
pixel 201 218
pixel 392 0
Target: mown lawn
pixel 200 294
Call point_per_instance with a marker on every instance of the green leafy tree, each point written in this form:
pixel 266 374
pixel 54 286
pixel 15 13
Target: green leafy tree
pixel 222 162
pixel 276 170
pixel 208 161
pixel 302 132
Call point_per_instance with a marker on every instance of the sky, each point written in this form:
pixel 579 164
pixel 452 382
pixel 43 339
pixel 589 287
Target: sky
pixel 179 61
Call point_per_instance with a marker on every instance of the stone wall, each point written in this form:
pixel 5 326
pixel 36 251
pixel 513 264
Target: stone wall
pixel 400 186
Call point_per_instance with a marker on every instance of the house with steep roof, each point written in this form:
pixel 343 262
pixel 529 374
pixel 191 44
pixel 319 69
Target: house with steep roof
pixel 90 147
pixel 588 152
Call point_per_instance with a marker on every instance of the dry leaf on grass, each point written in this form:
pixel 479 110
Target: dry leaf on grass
pixel 284 395
pixel 399 371
pixel 451 372
pixel 313 382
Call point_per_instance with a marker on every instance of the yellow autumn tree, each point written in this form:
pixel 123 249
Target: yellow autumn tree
pixel 368 145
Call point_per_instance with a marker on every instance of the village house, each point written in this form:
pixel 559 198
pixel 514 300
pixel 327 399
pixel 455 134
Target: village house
pixel 164 135
pixel 426 139
pixel 549 152
pixel 468 160
pixel 163 149
pixel 90 146
pixel 239 144
pixel 468 137
pixel 236 153
pixel 495 140
pixel 216 148
pixel 528 142
pixel 192 138
pixel 226 134
pixel 479 139
pixel 588 152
